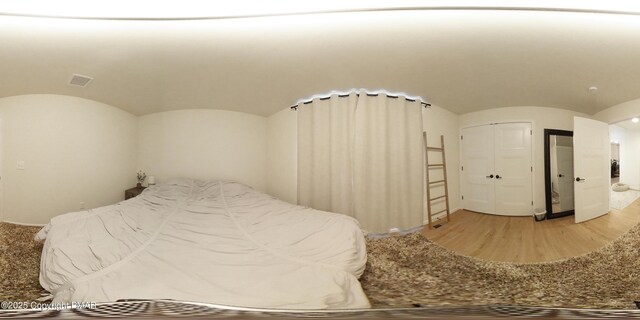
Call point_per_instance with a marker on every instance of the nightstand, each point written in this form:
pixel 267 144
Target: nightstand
pixel 133 192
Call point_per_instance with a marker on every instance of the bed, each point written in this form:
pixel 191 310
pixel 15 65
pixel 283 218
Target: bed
pixel 216 242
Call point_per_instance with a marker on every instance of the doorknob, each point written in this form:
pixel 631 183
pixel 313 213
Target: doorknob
pixel 490 176
pixel 498 176
pixel 561 175
pixel 580 180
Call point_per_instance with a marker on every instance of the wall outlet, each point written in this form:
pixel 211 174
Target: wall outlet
pixel 82 205
pixel 20 165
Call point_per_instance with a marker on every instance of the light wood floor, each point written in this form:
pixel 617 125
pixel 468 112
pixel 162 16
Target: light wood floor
pixel 521 239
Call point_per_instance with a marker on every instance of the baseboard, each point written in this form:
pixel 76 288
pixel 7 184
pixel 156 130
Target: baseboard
pixel 25 224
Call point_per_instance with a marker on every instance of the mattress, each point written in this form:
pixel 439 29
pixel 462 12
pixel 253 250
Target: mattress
pixel 216 242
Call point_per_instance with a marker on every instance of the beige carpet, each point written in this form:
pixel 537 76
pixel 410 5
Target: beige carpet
pixel 410 269
pixel 413 270
pixel 19 263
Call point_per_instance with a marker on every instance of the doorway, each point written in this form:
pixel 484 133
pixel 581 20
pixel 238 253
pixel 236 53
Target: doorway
pixel 625 155
pixel 615 162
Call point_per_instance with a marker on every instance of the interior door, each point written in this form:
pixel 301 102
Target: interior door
pixel 478 169
pixel 513 169
pixel 591 168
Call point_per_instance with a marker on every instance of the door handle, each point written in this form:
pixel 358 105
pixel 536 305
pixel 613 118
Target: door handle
pixel 580 180
pixel 561 175
pixel 498 176
pixel 490 176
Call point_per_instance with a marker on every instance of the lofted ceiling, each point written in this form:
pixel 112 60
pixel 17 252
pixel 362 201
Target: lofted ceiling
pixel 461 60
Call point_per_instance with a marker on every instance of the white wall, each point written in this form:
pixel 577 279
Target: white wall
pixel 615 151
pixel 75 150
pixel 204 144
pixel 438 121
pixel 616 133
pixel 78 150
pixel 542 118
pixel 629 156
pixel 282 156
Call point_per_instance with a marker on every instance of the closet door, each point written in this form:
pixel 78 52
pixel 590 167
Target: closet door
pixel 477 169
pixel 513 169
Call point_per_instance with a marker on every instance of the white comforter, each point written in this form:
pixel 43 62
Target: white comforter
pixel 217 242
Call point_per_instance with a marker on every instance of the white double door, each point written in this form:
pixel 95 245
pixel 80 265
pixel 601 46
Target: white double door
pixel 497 169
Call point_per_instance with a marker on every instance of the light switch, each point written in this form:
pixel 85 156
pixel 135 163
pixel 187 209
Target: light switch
pixel 20 165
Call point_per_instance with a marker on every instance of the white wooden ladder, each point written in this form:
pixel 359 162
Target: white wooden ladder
pixel 437 183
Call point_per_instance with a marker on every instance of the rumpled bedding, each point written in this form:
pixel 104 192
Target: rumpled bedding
pixel 216 242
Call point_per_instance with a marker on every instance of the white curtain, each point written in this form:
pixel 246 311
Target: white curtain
pixel 389 167
pixel 325 153
pixel 362 156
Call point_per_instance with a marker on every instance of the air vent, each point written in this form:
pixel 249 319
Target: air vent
pixel 79 80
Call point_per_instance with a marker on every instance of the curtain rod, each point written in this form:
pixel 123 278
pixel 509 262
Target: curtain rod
pixel 426 105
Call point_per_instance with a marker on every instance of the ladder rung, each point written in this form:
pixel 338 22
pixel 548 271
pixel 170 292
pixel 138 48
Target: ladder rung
pixel 436 198
pixel 439 212
pixel 434 148
pixel 434 182
pixel 436 165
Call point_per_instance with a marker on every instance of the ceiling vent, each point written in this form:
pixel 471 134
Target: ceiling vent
pixel 79 80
